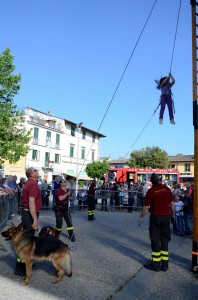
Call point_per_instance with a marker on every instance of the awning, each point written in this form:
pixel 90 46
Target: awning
pixel 80 177
pixel 84 177
pixel 57 172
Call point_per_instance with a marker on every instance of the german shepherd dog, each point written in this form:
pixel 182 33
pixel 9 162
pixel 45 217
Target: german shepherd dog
pixel 32 249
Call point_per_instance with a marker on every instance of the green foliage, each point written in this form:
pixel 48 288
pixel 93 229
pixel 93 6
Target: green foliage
pixel 13 134
pixel 149 157
pixel 97 169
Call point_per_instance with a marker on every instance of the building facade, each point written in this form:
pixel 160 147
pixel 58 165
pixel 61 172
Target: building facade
pixel 183 163
pixel 59 146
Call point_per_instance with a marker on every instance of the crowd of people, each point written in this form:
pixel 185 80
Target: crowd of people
pixel 33 195
pixel 9 185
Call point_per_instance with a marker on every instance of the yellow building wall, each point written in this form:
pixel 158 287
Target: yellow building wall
pixel 180 166
pixel 17 169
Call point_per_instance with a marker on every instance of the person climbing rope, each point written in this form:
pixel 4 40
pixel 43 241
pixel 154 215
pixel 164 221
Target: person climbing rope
pixel 164 84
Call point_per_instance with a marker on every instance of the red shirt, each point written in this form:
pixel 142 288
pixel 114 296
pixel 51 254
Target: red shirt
pixel 31 189
pixel 92 189
pixel 159 197
pixel 61 192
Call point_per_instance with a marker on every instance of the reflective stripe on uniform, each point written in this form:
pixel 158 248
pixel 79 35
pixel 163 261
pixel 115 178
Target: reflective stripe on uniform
pixel 70 228
pixel 164 255
pixel 156 256
pixel 58 229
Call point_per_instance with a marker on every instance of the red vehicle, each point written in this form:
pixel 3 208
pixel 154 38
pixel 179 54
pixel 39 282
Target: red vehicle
pixel 138 175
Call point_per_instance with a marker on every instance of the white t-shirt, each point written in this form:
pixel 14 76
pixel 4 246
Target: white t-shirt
pixel 178 205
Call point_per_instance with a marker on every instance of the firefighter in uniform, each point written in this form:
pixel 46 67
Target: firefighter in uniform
pixel 62 210
pixel 91 201
pixel 160 201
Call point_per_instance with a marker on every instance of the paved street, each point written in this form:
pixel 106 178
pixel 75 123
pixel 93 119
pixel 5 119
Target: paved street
pixel 108 258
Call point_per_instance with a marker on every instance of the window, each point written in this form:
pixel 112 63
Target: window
pixel 57 159
pixel 82 153
pixel 48 136
pixel 47 158
pixel 93 138
pixel 73 128
pixel 35 137
pixel 71 150
pixel 93 155
pixel 171 166
pixel 57 146
pixel 83 134
pixel 186 167
pixel 35 155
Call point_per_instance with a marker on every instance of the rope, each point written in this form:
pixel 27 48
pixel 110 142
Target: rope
pixel 119 82
pixel 170 71
pixel 141 132
pixel 175 35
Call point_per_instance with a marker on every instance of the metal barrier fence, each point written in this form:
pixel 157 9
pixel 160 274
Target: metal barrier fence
pixel 8 206
pixel 131 200
pixel 110 200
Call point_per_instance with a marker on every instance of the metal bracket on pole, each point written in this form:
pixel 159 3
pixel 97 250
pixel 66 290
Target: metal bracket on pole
pixel 193 2
pixel 195 115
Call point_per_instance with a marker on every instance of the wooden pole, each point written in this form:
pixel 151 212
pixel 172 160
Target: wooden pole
pixel 195 124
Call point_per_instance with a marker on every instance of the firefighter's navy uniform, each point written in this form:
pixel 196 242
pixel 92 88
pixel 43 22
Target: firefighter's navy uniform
pixel 62 210
pixel 160 199
pixel 91 201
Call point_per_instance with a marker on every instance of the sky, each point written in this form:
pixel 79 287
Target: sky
pixel 71 56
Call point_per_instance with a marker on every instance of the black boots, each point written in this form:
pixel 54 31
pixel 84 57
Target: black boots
pixel 72 237
pixel 58 232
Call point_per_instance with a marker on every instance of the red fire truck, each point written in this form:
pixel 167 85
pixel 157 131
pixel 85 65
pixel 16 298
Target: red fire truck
pixel 138 175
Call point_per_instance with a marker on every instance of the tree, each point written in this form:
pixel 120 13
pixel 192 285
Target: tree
pixel 14 137
pixel 97 169
pixel 149 157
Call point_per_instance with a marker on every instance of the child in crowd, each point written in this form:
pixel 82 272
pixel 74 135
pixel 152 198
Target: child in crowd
pixel 179 205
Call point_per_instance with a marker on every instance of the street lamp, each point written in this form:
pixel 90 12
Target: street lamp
pixel 78 126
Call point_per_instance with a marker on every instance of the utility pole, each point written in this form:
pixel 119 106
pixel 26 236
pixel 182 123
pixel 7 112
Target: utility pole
pixel 194 5
pixel 78 126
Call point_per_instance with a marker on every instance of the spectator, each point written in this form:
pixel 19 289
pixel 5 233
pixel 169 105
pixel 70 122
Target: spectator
pixel 144 190
pixel 44 194
pixel 71 186
pixel 1 177
pixel 83 193
pixel 20 189
pixel 111 194
pixel 131 196
pixel 104 194
pixel 55 186
pixel 187 211
pixel 8 189
pixel 12 183
pixel 115 194
pixel 176 190
pixel 179 205
pixel 121 190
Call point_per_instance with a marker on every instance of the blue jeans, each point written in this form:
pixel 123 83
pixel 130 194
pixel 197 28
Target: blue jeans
pixel 187 222
pixel 166 99
pixel 180 224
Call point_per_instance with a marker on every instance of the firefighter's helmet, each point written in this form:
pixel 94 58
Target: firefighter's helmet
pixel 48 231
